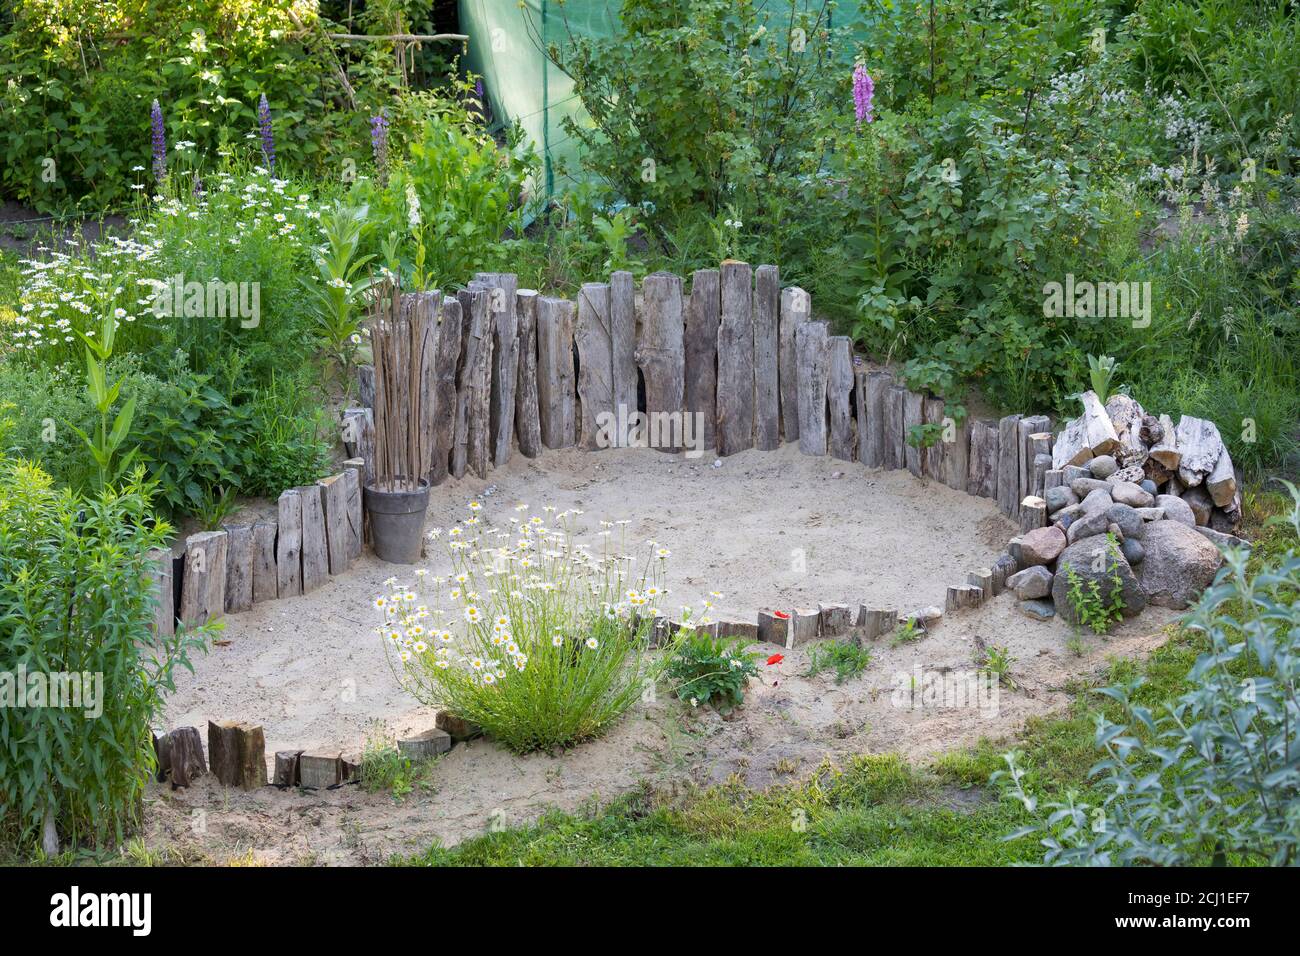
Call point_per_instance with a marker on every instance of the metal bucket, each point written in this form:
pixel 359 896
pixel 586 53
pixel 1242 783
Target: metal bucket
pixel 397 522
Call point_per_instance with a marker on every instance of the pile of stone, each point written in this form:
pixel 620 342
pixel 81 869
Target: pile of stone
pixel 1137 505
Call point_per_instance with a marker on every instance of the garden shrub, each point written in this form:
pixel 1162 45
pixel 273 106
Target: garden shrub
pixel 540 642
pixel 75 600
pixel 712 670
pixel 1213 778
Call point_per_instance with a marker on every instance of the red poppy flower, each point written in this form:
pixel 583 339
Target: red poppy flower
pixel 775 659
pixel 781 615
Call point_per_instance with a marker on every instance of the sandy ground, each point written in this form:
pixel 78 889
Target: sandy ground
pixel 767 529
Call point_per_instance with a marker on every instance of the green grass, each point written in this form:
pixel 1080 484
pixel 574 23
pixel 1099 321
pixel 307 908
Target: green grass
pixel 878 810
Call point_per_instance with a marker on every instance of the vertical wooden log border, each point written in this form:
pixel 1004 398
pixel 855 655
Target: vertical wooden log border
pixel 595 346
pixel 736 360
pixel 703 317
pixel 812 349
pixel 661 357
pixel 767 341
pixel 556 378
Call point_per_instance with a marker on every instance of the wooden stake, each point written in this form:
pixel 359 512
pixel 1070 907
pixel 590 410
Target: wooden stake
pixel 839 394
pixel 796 309
pixel 237 752
pixel 767 389
pixel 812 348
pixel 239 568
pixel 266 585
pixel 622 330
pixel 556 397
pixel 288 548
pixel 1009 465
pixel 528 427
pixel 503 288
pixel 661 356
pixel 445 395
pixel 203 585
pixel 703 316
pixel 736 360
pixel 595 366
pixel 315 556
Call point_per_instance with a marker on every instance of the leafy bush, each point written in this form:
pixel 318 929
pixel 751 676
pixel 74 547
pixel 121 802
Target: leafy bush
pixel 712 670
pixel 541 643
pixel 74 600
pixel 1214 778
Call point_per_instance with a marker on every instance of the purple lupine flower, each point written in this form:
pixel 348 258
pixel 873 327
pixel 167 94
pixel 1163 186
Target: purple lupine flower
pixel 159 142
pixel 268 137
pixel 863 90
pixel 379 143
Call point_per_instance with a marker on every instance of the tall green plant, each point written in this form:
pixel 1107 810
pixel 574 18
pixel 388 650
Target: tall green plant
pixel 107 439
pixel 340 283
pixel 76 604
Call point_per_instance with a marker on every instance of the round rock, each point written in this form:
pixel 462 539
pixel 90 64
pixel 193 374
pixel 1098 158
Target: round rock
pixel 1103 466
pixel 1133 551
pixel 1127 493
pixel 1176 509
pixel 1041 546
pixel 1180 563
pixel 1092 561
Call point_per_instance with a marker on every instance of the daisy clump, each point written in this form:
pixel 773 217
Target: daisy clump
pixel 537 637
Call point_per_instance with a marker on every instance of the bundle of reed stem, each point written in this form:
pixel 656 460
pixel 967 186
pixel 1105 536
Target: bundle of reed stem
pixel 399 337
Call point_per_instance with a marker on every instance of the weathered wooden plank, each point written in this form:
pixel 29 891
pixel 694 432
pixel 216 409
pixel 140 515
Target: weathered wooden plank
pixel 239 568
pixel 956 454
pixel 288 547
pixel 556 394
pixel 913 418
pixel 703 316
pixel 266 586
pixel 445 397
pixel 528 428
pixel 813 370
pixel 982 471
pixel 767 384
pixel 203 585
pixel 736 360
pixel 1199 448
pixel 503 288
pixel 796 309
pixel 871 417
pixel 661 356
pixel 237 754
pixel 1101 436
pixel 470 449
pixel 162 588
pixel 839 397
pixel 359 438
pixel 423 308
pixel 1009 446
pixel 595 345
pixel 355 516
pixel 622 330
pixel 366 385
pixel 315 556
pixel 1026 428
pixel 896 427
pixel 932 458
pixel 338 535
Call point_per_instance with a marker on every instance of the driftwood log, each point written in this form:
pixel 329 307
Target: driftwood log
pixel 767 339
pixel 1009 465
pixel 982 470
pixel 812 348
pixel 736 360
pixel 445 396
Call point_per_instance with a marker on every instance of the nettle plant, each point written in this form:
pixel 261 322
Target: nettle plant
pixel 1213 778
pixel 533 636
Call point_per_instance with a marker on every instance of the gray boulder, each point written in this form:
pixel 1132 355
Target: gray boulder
pixel 1103 466
pixel 1098 499
pixel 1082 486
pixel 1180 563
pixel 1088 526
pixel 1127 493
pixel 1038 610
pixel 1176 509
pixel 1129 521
pixel 1092 561
pixel 1058 498
pixel 1035 582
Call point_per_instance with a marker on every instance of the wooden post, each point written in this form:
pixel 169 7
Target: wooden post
pixel 805 623
pixel 1033 513
pixel 839 394
pixel 239 568
pixel 932 460
pixel 556 398
pixel 315 557
pixel 423 746
pixel 873 622
pixel 286 768
pixel 982 579
pixel 288 548
pixel 338 534
pixel 473 386
pixel 767 344
pixel 796 309
pixel 835 620
pixel 445 396
pixel 1101 436
pixel 1038 472
pixel 913 418
pixel 503 288
pixel 956 455
pixel 622 329
pixel 320 769
pixel 184 749
pixel 703 316
pixel 1027 427
pixel 595 366
pixel 359 439
pixel 203 586
pixel 962 597
pixel 366 385
pixel 1009 465
pixel 355 516
pixel 661 356
pixel 895 427
pixel 773 626
pixel 736 360
pixel 812 347
pixel 161 587
pixel 266 586
pixel 982 472
pixel 528 427
pixel 872 417
pixel 423 308
pixel 237 753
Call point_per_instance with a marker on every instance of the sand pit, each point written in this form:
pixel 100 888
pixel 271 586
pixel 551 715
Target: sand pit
pixel 765 528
